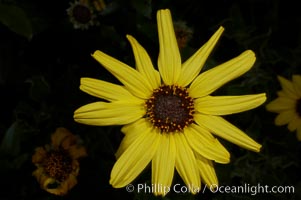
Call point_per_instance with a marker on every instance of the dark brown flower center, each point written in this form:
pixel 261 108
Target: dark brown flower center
pixel 58 164
pixel 170 108
pixel 82 14
pixel 298 107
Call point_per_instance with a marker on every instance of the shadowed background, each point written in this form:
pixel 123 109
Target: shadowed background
pixel 43 57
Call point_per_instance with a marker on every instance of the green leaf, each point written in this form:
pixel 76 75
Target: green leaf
pixel 11 141
pixel 16 20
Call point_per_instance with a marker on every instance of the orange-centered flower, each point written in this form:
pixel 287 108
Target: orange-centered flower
pixel 57 163
pixel 170 119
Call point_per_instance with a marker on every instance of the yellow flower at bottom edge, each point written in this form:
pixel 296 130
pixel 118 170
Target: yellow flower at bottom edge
pixel 288 104
pixel 169 115
pixel 57 164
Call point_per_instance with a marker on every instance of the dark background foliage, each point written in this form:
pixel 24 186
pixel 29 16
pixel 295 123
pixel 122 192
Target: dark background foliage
pixel 42 58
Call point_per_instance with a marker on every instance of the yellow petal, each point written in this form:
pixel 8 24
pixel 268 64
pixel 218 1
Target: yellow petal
pixel 297 84
pixel 69 141
pixel 144 64
pixel 186 163
pixel 136 126
pixel 281 93
pixel 39 174
pixel 281 104
pixel 203 143
pixel 134 159
pixel 63 188
pixel 39 155
pixel 132 131
pixel 294 124
pixel 285 117
pixel 132 79
pixel 288 87
pixel 105 90
pixel 212 79
pixel 105 114
pixel 169 60
pixel 220 127
pixel 192 67
pixel 207 171
pixel 163 164
pixel 58 190
pixel 76 151
pixel 59 136
pixel 225 105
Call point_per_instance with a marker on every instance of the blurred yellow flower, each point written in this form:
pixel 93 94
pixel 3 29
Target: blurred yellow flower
pixel 183 33
pixel 288 104
pixel 57 164
pixel 168 114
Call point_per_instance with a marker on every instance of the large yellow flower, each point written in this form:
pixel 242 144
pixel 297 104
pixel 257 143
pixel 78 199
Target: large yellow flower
pixel 57 164
pixel 169 114
pixel 288 104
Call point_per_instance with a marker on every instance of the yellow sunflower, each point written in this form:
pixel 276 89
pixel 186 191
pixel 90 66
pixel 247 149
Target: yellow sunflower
pixel 168 114
pixel 288 104
pixel 57 164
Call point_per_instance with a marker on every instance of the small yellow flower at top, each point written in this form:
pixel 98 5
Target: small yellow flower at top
pixel 99 5
pixel 288 104
pixel 57 164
